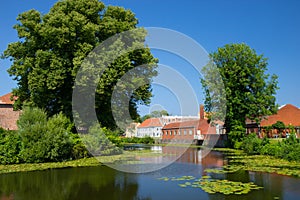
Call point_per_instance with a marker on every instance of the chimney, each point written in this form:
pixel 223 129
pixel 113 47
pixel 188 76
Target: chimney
pixel 201 112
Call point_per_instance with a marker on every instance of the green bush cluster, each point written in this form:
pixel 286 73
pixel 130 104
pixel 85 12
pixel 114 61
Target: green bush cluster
pixel 10 146
pixel 42 139
pixel 288 148
pixel 98 141
pixel 133 140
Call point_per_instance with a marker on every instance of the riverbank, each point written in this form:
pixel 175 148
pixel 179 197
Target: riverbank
pixel 237 160
pixel 127 157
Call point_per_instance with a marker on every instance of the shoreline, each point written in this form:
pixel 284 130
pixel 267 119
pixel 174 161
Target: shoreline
pixel 237 159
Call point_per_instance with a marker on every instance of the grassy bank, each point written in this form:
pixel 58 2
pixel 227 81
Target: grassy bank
pixel 126 157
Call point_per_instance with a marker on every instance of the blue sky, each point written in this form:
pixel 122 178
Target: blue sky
pixel 270 27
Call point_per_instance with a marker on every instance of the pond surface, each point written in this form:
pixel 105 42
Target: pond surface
pixel 105 183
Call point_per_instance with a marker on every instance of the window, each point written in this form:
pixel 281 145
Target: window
pixel 179 132
pixel 184 132
pixel 190 132
pixel 174 132
pixel 170 132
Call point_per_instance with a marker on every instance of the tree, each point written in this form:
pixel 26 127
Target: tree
pixel 249 89
pixel 53 46
pixel 155 113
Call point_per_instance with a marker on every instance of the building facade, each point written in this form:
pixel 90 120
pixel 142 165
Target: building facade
pixel 8 116
pixel 288 114
pixel 150 128
pixel 190 131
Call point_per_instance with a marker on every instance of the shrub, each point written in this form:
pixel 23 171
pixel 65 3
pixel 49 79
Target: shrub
pixel 79 150
pixel 10 146
pixel 252 144
pixel 144 140
pixel 98 143
pixel 272 149
pixel 43 139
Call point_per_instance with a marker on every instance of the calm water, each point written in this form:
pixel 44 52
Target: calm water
pixel 108 184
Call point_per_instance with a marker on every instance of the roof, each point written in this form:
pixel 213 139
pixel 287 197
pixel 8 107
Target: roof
pixel 288 114
pixel 201 125
pixel 5 99
pixel 151 122
pixel 184 124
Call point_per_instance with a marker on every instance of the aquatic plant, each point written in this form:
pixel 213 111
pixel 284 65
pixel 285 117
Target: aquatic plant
pixel 212 186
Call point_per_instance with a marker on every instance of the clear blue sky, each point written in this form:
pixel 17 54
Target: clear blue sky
pixel 270 27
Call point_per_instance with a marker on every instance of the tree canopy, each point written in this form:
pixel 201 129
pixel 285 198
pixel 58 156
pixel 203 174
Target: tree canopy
pixel 248 88
pixel 155 113
pixel 52 47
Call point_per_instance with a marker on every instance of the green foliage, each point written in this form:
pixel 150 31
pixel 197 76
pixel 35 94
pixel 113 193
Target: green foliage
pixel 53 46
pixel 155 113
pixel 249 89
pixel 98 143
pixel 79 150
pixel 43 139
pixel 136 140
pixel 252 144
pixel 38 139
pixel 278 125
pixel 10 146
pixel 235 137
pixel 288 149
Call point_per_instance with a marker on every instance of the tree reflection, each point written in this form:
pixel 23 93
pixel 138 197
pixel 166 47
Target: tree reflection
pixel 63 184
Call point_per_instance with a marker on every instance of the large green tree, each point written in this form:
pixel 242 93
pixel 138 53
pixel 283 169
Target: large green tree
pixel 249 90
pixel 52 47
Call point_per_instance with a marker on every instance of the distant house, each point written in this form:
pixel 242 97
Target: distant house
pixel 150 127
pixel 8 117
pixel 187 131
pixel 288 114
pixel 131 130
pixel 181 131
pixel 171 119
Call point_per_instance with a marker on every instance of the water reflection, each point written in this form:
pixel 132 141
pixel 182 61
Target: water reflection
pixel 63 184
pixel 105 183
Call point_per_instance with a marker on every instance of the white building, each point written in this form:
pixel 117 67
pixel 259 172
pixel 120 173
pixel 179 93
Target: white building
pixel 131 130
pixel 151 128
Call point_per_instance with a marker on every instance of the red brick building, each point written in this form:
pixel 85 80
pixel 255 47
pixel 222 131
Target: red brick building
pixel 8 117
pixel 188 131
pixel 288 114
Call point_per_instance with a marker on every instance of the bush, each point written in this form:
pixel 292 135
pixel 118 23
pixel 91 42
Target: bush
pixel 252 144
pixel 134 140
pixel 271 149
pixel 44 140
pixel 235 137
pixel 98 143
pixel 79 150
pixel 10 146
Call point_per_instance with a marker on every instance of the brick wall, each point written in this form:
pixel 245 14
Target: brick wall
pixel 8 117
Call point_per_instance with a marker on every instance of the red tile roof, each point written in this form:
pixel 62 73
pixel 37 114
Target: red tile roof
pixel 152 122
pixel 184 124
pixel 201 125
pixel 5 99
pixel 288 114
